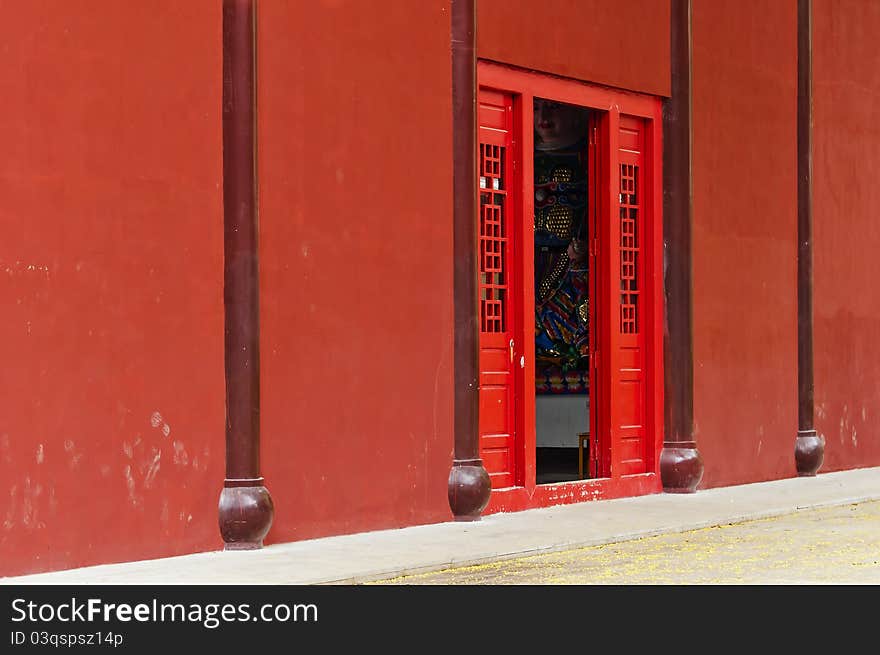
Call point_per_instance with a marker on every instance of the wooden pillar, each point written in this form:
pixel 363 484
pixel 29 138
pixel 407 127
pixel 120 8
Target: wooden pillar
pixel 681 467
pixel 469 485
pixel 809 449
pixel 246 510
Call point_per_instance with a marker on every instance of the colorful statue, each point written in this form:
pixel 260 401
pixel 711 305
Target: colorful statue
pixel 561 280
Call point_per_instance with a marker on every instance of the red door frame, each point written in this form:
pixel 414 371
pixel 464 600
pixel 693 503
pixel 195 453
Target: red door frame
pixel 523 86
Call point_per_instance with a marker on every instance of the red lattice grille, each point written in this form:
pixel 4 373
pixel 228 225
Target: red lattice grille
pixel 493 240
pixel 629 249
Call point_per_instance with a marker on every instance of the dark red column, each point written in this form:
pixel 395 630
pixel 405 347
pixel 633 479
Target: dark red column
pixel 681 467
pixel 246 509
pixel 469 484
pixel 809 449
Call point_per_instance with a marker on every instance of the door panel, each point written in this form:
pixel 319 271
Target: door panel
pixel 628 304
pixel 496 288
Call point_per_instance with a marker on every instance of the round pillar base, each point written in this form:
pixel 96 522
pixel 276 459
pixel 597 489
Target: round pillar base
pixel 245 514
pixel 469 489
pixel 681 467
pixel 809 452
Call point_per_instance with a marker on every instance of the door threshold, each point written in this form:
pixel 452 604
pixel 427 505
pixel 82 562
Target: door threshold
pixel 515 499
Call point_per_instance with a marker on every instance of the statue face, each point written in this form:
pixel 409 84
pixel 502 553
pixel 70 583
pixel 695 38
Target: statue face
pixel 558 124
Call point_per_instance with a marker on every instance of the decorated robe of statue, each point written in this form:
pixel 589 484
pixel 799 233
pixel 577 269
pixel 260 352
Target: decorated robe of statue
pixel 561 282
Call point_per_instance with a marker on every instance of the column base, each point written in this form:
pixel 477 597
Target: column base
pixel 245 513
pixel 469 489
pixel 681 467
pixel 809 452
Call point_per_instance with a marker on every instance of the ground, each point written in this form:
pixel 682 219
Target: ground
pixel 833 545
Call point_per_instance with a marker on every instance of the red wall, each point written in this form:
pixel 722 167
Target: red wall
pixel 112 427
pixel 355 165
pixel 745 238
pixel 624 44
pixel 110 282
pixel 356 239
pixel 846 195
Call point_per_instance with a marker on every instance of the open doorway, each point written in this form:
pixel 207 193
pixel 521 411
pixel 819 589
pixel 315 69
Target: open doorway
pixel 562 211
pixel 568 346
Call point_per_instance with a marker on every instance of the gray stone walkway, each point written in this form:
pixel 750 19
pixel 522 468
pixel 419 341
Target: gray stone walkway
pixel 387 554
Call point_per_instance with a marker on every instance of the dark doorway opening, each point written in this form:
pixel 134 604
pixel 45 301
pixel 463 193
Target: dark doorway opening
pixel 562 282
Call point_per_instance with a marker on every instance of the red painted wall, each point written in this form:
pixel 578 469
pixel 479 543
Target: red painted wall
pixel 623 44
pixel 355 166
pixel 745 238
pixel 846 167
pixel 356 239
pixel 112 423
pixel 110 282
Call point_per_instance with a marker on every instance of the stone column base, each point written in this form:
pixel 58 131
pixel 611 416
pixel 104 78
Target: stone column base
pixel 809 452
pixel 246 513
pixel 681 467
pixel 469 489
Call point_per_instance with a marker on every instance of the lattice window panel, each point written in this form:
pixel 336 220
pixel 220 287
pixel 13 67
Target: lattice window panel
pixel 629 249
pixel 493 240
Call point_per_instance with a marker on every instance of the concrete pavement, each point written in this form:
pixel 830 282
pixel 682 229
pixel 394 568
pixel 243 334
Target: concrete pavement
pixel 386 554
pixel 828 545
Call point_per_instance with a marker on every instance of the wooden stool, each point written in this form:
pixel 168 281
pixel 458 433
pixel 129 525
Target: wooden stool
pixel 583 437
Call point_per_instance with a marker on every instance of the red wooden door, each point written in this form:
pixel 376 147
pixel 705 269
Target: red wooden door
pixel 628 303
pixel 497 292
